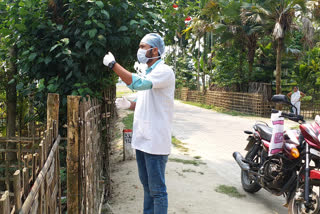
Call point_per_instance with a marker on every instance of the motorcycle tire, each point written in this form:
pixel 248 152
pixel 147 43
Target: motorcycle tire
pixel 295 206
pixel 247 184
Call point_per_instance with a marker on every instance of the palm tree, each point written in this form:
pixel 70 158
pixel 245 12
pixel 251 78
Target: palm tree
pixel 236 25
pixel 278 16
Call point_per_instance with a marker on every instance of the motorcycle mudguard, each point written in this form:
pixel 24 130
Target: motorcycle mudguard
pixel 314 175
pixel 250 143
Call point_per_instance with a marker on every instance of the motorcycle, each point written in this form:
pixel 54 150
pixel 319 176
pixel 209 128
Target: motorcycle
pixel 294 172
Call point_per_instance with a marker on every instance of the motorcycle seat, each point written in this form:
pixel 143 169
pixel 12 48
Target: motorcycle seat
pixel 264 131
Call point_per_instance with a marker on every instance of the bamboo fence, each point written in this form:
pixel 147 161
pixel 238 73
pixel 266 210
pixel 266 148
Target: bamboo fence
pixel 89 135
pixel 250 103
pixel 37 189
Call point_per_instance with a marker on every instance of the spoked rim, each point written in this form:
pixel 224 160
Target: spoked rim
pixel 300 208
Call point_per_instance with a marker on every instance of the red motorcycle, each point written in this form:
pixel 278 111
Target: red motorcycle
pixel 294 172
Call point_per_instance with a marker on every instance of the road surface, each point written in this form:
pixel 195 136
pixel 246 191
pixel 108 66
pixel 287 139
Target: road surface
pixel 213 137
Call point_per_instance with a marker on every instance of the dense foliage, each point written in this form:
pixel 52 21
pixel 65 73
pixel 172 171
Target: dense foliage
pixel 237 42
pixel 60 44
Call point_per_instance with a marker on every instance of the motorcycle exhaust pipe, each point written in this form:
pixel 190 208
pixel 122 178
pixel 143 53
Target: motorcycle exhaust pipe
pixel 238 157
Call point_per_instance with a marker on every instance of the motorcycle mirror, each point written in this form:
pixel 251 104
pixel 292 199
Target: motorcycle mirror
pixel 280 98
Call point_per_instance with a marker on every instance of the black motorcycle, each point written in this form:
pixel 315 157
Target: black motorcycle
pixel 289 172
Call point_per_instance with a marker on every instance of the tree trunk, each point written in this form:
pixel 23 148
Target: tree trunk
pixel 252 46
pixel 278 67
pixel 205 61
pixel 175 55
pixel 240 69
pixel 11 97
pixel 198 71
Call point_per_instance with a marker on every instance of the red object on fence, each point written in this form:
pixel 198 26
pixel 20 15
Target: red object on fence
pixel 188 19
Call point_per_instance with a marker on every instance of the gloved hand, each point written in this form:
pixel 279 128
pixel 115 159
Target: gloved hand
pixel 108 58
pixel 123 103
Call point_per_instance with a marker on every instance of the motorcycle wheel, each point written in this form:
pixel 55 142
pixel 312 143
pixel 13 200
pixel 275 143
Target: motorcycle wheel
pixel 297 206
pixel 248 183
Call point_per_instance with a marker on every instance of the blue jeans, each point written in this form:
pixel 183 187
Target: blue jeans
pixel 152 176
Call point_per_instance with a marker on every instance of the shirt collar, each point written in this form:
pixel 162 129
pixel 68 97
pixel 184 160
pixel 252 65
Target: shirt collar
pixel 153 66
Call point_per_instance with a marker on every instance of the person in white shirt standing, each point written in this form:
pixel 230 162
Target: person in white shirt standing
pixel 152 118
pixel 296 97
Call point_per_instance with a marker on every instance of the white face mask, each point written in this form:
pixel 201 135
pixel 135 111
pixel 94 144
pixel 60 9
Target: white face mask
pixel 141 55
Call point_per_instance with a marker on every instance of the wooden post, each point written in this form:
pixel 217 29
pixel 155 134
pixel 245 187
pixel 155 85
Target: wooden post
pixel 25 182
pixel 17 190
pixel 53 111
pixel 4 203
pixel 73 176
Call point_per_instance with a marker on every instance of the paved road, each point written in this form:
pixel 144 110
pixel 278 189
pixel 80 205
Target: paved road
pixel 215 136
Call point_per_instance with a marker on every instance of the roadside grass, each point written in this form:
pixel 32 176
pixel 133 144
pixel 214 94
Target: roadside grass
pixel 192 171
pixel 183 161
pixel 230 191
pixel 128 121
pixel 123 93
pixel 218 109
pixel 123 90
pixel 179 145
pixel 294 127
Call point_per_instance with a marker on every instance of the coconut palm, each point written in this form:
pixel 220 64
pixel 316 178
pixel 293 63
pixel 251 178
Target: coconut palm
pixel 278 17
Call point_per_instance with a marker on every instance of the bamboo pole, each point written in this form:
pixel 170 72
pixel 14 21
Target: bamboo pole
pixel 5 203
pixel 73 199
pixel 25 174
pixel 40 179
pixel 17 190
pixel 53 111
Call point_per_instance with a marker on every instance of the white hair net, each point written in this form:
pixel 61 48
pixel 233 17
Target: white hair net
pixel 154 40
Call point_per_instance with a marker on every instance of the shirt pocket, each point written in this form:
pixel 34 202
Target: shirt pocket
pixel 144 129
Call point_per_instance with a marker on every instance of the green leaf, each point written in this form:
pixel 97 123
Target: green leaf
pixel 100 4
pixel 19 86
pixel 41 85
pixel 88 44
pixel 101 25
pixel 59 27
pixel 69 75
pixel 87 22
pixel 105 13
pixel 133 22
pixel 52 88
pixel 123 28
pixel 65 40
pixel 11 81
pixel 91 12
pixel 54 47
pixel 21 27
pixel 143 22
pixel 25 53
pixel 101 37
pixel 124 5
pixel 92 33
pixel 47 60
pixel 32 56
pixel 66 51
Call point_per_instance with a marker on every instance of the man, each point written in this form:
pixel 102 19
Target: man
pixel 152 119
pixel 296 97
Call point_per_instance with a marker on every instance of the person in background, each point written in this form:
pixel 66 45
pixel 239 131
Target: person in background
pixel 152 118
pixel 296 97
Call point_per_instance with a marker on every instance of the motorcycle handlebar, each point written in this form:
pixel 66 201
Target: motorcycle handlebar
pixel 290 116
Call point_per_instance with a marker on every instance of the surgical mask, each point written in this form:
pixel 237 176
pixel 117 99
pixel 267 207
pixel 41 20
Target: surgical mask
pixel 141 55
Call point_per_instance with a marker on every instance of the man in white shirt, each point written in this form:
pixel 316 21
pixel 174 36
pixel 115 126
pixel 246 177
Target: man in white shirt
pixel 296 97
pixel 152 119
